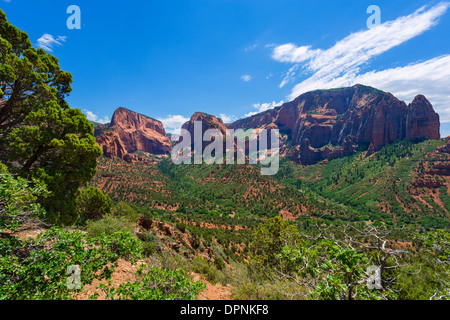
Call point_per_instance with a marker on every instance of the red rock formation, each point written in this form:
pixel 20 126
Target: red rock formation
pixel 129 132
pixel 212 122
pixel 319 122
pixel 208 122
pixel 441 165
pixel 421 121
pixel 446 148
pixel 433 171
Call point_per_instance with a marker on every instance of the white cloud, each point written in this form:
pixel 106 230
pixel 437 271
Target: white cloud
pixel 227 119
pixel 261 107
pixel 95 118
pixel 341 64
pixel 358 48
pixel 47 42
pixel 246 78
pixel 250 48
pixel 173 124
pixel 289 75
pixel 289 52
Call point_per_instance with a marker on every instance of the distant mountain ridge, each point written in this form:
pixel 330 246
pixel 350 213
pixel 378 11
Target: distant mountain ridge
pixel 318 125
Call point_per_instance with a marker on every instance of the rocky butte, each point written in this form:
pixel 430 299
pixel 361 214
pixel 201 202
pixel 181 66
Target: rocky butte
pixel 129 132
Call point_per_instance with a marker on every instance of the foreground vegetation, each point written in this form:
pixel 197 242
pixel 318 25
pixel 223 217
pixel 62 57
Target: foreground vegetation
pixel 267 258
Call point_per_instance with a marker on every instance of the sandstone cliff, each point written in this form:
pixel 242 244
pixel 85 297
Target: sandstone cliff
pixel 326 124
pixel 129 132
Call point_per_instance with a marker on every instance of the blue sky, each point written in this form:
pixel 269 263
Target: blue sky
pixel 231 58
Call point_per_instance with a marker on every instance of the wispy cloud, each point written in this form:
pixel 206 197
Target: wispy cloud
pixel 47 42
pixel 341 64
pixel 173 124
pixel 95 118
pixel 227 119
pixel 251 48
pixel 289 75
pixel 246 78
pixel 261 107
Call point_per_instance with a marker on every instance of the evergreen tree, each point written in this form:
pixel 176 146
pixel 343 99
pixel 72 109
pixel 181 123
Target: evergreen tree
pixel 93 204
pixel 41 137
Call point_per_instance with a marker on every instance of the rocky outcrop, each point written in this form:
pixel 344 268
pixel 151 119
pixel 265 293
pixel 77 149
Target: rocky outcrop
pixel 325 124
pixel 129 132
pixel 308 155
pixel 441 166
pixel 446 148
pixel 421 120
pixel 208 122
pixel 433 171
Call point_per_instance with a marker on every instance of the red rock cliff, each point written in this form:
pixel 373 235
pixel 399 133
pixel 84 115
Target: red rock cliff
pixel 325 124
pixel 129 132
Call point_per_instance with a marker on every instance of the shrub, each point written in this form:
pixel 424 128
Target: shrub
pixel 36 269
pixel 158 284
pixel 151 244
pixel 108 226
pixel 124 210
pixel 181 226
pixel 92 204
pixel 220 265
pixel 269 240
pixel 146 218
pixel 204 267
pixel 18 200
pixel 274 290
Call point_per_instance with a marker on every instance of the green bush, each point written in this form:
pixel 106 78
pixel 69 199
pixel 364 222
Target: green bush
pixel 150 248
pixel 205 268
pixel 220 265
pixel 92 204
pixel 158 284
pixel 18 200
pixel 151 244
pixel 146 218
pixel 36 269
pixel 108 226
pixel 274 290
pixel 124 210
pixel 269 239
pixel 181 226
